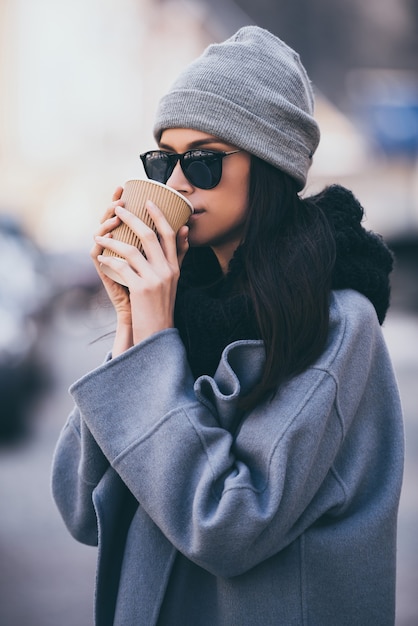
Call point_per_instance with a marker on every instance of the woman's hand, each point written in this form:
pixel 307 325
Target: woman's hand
pixel 151 280
pixel 118 294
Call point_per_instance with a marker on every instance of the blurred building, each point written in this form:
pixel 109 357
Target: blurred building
pixel 79 82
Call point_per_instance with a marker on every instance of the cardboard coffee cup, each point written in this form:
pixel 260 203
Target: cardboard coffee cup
pixel 176 208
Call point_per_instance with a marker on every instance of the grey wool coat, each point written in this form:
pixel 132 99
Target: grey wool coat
pixel 285 515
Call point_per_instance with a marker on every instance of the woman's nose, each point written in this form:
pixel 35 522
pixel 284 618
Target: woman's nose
pixel 178 181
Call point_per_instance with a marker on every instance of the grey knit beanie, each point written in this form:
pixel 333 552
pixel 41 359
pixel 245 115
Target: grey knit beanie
pixel 251 91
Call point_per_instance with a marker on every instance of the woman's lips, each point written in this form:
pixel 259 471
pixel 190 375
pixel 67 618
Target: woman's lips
pixel 196 213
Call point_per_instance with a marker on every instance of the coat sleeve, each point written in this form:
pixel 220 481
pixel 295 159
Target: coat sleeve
pixel 77 467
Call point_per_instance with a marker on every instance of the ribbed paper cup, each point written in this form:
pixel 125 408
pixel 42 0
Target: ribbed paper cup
pixel 176 208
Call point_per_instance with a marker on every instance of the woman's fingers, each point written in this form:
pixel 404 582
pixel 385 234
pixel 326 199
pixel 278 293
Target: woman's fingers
pixel 167 236
pixel 164 252
pixel 117 194
pixel 166 241
pixel 108 225
pixel 174 246
pixel 130 253
pixel 108 222
pixel 156 248
pixel 116 201
pixel 104 230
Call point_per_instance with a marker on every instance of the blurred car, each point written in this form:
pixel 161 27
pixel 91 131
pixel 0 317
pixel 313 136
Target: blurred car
pixel 39 290
pixel 24 292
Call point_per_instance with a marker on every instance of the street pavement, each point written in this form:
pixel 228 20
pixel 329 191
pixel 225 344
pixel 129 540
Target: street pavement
pixel 46 577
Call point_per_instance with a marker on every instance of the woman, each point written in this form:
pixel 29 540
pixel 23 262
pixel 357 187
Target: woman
pixel 238 457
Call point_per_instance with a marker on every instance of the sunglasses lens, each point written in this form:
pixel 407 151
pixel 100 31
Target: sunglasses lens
pixel 157 166
pixel 203 170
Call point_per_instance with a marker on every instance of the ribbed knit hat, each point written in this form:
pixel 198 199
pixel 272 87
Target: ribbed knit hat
pixel 251 91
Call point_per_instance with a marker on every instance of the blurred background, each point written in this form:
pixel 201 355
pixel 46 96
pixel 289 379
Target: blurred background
pixel 79 82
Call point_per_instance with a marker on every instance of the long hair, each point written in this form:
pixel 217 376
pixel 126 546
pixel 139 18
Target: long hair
pixel 289 255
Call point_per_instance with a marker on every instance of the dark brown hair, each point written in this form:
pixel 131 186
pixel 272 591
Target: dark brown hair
pixel 289 255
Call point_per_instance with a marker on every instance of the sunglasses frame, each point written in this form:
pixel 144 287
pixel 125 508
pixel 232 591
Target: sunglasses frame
pixel 172 158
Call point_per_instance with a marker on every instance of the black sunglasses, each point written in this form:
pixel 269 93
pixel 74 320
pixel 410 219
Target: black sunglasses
pixel 202 168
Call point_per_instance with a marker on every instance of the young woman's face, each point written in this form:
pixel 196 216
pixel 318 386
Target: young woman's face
pixel 220 213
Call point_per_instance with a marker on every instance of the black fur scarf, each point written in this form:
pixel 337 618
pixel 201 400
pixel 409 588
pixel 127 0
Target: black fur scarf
pixel 210 312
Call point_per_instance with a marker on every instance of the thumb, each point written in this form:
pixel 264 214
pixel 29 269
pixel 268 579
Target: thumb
pixel 182 243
